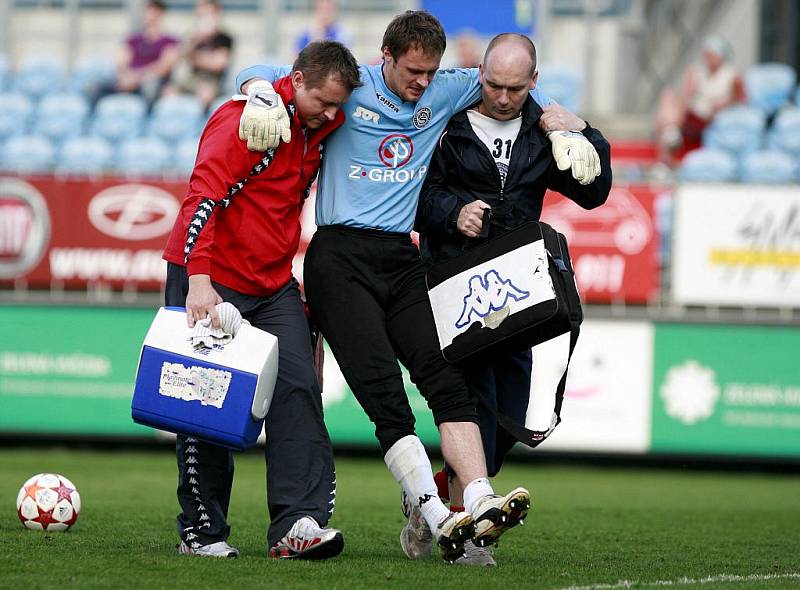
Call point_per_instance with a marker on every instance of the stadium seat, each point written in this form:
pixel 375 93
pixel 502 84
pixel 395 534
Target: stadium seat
pixel 708 165
pixel 768 167
pixel 175 117
pixel 39 75
pixel 85 156
pixel 28 154
pixel 769 85
pixel 61 116
pixel 785 132
pixel 90 74
pixel 737 129
pixel 4 74
pixel 119 117
pixel 563 84
pixel 185 155
pixel 143 156
pixel 15 114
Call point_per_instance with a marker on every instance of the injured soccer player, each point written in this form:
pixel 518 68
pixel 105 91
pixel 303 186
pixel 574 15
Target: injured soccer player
pixel 365 281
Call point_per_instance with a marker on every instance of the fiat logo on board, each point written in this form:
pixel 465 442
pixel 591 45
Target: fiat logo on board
pixel 24 227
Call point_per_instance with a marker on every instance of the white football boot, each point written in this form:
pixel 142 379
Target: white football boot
pixel 416 538
pixel 452 533
pixel 494 515
pixel 218 549
pixel 474 555
pixel 307 540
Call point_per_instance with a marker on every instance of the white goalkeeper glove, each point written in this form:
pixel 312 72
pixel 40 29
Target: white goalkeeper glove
pixel 264 122
pixel 572 150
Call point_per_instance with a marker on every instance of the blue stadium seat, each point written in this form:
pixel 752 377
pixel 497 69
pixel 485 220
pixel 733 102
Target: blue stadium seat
pixel 119 116
pixel 15 114
pixel 61 116
pixel 185 155
pixel 28 154
pixel 85 156
pixel 38 75
pixel 563 84
pixel 143 156
pixel 785 132
pixel 738 129
pixel 90 74
pixel 4 73
pixel 768 167
pixel 769 85
pixel 175 117
pixel 708 165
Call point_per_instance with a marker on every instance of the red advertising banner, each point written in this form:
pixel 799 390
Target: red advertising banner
pixel 614 247
pixel 76 232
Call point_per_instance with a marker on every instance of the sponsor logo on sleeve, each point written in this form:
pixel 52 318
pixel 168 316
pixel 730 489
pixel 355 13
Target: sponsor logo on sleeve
pixel 422 117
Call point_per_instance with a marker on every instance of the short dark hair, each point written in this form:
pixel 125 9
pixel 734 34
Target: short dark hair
pixel 521 39
pixel 322 59
pixel 159 4
pixel 414 28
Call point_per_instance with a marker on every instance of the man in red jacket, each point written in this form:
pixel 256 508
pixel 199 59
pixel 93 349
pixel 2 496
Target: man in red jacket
pixel 234 240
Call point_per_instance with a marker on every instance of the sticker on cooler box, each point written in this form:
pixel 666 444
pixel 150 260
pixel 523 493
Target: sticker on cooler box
pixel 208 386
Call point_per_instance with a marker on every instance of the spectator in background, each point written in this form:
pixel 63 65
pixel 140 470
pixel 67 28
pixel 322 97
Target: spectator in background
pixel 207 55
pixel 323 26
pixel 469 53
pixel 708 86
pixel 147 57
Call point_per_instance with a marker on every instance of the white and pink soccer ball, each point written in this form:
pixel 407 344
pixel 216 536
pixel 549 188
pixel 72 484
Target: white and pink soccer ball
pixel 48 502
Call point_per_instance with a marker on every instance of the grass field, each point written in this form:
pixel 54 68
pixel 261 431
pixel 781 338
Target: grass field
pixel 589 527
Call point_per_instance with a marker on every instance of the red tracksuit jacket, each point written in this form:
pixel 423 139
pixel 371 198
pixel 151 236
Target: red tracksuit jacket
pixel 245 235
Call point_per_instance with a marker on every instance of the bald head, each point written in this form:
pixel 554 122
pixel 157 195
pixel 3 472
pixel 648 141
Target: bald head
pixel 511 50
pixel 507 73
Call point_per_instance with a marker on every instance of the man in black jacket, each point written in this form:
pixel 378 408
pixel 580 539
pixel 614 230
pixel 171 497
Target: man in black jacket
pixel 488 175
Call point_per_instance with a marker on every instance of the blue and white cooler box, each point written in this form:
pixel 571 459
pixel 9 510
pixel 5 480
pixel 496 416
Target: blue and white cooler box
pixel 219 394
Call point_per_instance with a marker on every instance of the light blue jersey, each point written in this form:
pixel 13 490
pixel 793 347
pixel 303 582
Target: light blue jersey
pixel 375 163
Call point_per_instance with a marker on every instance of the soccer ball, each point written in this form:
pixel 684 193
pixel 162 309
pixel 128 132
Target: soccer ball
pixel 48 502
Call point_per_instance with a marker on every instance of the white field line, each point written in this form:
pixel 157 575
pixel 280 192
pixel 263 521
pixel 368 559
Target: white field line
pixel 687 581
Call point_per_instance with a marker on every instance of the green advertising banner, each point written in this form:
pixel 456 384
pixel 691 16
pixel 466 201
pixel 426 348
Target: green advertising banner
pixel 732 390
pixel 70 369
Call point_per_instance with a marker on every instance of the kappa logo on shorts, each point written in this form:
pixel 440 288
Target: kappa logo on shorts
pixel 422 117
pixel 487 294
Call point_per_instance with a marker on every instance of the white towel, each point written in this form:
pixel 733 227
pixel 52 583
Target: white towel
pixel 204 335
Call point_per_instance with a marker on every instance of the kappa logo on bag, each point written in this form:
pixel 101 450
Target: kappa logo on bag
pixel 488 294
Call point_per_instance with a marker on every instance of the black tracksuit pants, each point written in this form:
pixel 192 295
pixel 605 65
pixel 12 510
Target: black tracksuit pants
pixel 300 470
pixel 366 291
pixel 503 382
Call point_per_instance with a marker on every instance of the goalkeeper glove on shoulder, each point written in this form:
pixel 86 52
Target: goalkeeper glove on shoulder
pixel 264 122
pixel 572 150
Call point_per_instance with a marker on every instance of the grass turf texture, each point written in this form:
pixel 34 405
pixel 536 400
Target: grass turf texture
pixel 588 526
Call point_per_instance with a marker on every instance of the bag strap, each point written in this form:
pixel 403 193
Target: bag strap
pixel 533 438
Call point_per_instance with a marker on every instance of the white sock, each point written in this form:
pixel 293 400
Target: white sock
pixel 411 468
pixel 474 491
